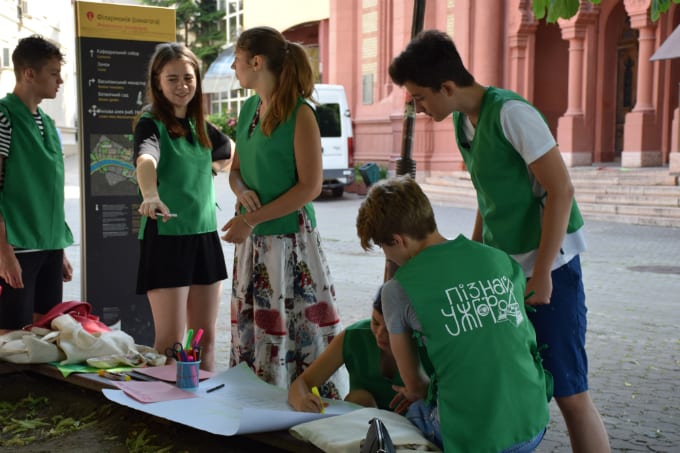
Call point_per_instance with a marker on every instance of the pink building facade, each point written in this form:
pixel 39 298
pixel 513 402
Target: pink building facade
pixel 591 76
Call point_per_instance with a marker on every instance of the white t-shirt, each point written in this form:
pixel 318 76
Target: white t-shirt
pixel 526 130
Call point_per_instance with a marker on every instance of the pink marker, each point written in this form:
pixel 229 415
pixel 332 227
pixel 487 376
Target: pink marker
pixel 198 336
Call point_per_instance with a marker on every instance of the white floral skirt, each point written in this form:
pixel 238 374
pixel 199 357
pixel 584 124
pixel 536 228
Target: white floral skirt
pixel 283 310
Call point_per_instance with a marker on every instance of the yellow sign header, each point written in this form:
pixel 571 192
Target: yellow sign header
pixel 132 23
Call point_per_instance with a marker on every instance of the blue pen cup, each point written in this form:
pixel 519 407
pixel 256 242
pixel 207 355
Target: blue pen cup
pixel 187 375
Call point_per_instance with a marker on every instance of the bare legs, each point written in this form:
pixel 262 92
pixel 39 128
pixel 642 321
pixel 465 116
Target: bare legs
pixel 195 306
pixel 204 303
pixel 587 433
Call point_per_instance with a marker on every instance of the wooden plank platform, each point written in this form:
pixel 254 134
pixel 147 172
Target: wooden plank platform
pixel 277 441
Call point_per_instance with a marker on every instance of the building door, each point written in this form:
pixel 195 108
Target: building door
pixel 626 81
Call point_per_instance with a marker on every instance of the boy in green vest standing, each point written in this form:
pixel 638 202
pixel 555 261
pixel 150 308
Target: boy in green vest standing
pixel 526 208
pixel 464 302
pixel 33 229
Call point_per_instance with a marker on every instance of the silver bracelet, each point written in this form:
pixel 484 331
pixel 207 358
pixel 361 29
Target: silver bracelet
pixel 243 217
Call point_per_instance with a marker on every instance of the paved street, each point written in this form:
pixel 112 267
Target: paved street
pixel 632 278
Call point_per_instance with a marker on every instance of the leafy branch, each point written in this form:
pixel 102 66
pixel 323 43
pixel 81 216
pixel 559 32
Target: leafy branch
pixel 199 26
pixel 566 9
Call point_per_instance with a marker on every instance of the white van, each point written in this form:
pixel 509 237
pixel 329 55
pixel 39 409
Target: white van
pixel 336 137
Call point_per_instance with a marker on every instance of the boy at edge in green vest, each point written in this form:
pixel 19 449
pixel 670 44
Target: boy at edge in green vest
pixel 526 208
pixel 33 229
pixel 464 302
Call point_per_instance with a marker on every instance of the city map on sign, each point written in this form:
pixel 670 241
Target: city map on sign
pixel 111 169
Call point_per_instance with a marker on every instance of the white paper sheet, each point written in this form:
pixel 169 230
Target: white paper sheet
pixel 245 404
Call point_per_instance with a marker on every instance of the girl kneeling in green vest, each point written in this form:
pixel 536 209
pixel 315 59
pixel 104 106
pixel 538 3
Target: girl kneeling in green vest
pixel 364 348
pixel 464 301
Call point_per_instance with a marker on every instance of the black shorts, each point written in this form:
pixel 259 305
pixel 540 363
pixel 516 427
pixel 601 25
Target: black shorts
pixel 43 275
pixel 175 261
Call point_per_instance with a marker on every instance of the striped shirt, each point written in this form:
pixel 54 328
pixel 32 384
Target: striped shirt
pixel 6 138
pixel 5 135
pixel 6 131
pixel 5 141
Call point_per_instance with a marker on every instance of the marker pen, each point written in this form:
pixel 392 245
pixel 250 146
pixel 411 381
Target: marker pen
pixel 169 214
pixel 315 392
pixel 113 376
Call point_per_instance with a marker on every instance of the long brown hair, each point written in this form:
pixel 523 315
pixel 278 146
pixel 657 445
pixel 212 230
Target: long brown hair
pixel 160 107
pixel 290 65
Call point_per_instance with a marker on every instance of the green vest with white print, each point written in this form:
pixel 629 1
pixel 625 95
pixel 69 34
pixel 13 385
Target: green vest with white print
pixel 491 386
pixel 32 198
pixel 185 185
pixel 510 211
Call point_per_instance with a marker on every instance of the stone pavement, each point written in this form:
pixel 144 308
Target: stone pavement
pixel 632 279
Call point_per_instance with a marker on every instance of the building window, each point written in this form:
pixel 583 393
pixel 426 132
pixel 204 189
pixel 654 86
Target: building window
pixel 230 100
pixel 234 19
pixel 24 10
pixel 6 59
pixel 367 89
pixel 628 67
pixel 369 60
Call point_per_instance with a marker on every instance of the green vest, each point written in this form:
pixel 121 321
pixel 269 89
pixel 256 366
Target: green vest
pixel 361 355
pixel 268 165
pixel 185 185
pixel 510 210
pixel 491 386
pixel 32 199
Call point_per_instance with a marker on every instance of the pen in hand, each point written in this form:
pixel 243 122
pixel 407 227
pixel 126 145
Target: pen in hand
pixel 169 214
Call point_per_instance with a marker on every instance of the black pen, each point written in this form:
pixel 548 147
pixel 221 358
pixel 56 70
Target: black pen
pixel 141 377
pixel 217 387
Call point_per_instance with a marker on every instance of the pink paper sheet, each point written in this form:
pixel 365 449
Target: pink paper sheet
pixel 153 392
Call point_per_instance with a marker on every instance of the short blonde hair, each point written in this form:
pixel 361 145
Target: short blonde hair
pixel 394 206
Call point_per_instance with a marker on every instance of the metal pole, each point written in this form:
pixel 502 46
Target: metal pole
pixel 405 164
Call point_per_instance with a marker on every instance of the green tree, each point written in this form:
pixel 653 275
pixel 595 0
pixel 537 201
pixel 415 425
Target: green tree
pixel 200 26
pixel 565 9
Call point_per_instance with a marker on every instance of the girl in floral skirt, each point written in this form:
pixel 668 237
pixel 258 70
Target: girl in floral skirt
pixel 283 309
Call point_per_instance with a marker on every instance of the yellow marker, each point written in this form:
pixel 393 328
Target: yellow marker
pixel 113 376
pixel 315 392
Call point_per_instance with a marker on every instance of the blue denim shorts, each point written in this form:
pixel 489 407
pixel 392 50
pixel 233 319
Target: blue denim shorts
pixel 426 418
pixel 561 331
pixel 528 446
